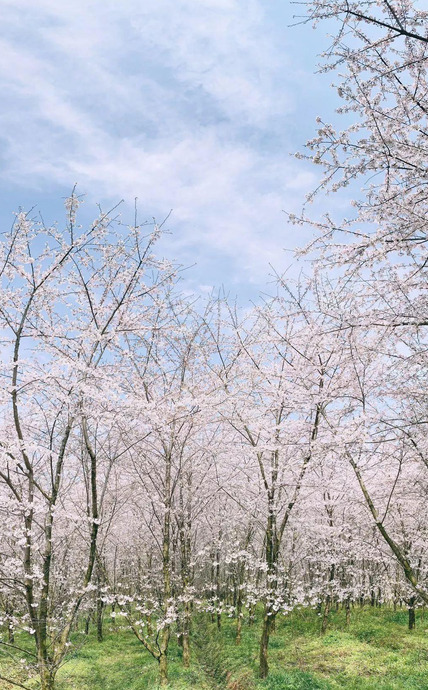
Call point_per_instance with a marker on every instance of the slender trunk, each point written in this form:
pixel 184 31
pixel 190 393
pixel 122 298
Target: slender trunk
pixel 166 571
pixel 239 629
pixel 268 620
pixel 185 528
pixel 100 612
pixel 10 633
pixel 47 676
pixel 10 630
pixel 100 606
pixel 251 614
pixel 239 601
pixel 239 618
pixel 412 613
pixel 187 623
pixel 149 624
pixel 163 669
pixel 325 615
pixel 186 647
pixel 212 591
pixel 348 612
pixel 271 561
pixel 62 642
pixel 217 582
pixel 88 622
pixel 328 601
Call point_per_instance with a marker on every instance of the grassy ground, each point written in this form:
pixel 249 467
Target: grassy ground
pixel 376 652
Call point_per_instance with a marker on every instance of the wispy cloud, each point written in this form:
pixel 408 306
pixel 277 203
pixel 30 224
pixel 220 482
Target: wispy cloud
pixel 187 105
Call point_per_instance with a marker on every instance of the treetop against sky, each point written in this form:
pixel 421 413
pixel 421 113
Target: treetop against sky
pixel 194 107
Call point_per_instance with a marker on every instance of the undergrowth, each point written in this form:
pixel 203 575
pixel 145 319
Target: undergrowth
pixel 376 651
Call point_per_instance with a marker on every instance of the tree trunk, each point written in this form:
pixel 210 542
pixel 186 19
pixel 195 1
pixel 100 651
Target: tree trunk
pixel 100 610
pixel 186 649
pixel 47 676
pixel 268 620
pixel 166 571
pixel 238 618
pixel 185 529
pixel 217 582
pixel 100 604
pixel 185 635
pixel 272 547
pixel 163 669
pixel 212 591
pixel 325 615
pixel 328 601
pixel 10 630
pixel 348 612
pixel 251 614
pixel 149 624
pixel 412 614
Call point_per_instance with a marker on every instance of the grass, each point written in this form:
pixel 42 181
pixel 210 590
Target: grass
pixel 375 652
pixel 121 663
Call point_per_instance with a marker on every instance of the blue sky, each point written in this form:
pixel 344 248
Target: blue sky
pixel 190 105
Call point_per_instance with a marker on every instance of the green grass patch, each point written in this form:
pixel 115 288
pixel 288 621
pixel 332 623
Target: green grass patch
pixel 376 652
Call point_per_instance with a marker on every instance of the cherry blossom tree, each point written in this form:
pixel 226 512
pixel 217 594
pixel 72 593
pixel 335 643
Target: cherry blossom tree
pixel 277 382
pixel 379 57
pixel 68 300
pixel 168 395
